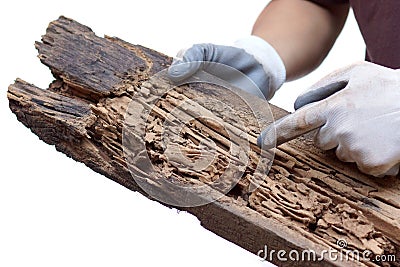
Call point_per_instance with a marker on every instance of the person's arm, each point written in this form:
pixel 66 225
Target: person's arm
pixel 302 32
pixel 289 40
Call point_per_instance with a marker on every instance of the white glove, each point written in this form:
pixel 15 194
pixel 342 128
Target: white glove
pixel 252 56
pixel 357 111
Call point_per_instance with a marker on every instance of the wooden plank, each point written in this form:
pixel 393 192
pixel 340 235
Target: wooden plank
pixel 107 91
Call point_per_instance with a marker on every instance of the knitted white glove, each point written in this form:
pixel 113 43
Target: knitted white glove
pixel 357 111
pixel 252 56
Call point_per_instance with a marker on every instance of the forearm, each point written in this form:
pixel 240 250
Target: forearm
pixel 302 32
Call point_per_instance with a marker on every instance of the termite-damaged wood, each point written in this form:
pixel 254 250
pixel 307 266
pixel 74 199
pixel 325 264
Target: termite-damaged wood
pixel 308 200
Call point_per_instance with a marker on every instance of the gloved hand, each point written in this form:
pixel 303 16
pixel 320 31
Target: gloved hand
pixel 357 111
pixel 252 56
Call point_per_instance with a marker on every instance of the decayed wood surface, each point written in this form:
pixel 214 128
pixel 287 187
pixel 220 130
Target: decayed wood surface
pixel 308 200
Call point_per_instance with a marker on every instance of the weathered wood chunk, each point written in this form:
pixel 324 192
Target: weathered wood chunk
pixel 193 147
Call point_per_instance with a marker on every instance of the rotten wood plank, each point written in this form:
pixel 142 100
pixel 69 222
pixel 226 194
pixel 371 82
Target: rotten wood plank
pixel 308 200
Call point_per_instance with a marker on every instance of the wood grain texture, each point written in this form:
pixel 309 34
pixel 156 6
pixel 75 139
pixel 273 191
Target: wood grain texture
pixel 308 200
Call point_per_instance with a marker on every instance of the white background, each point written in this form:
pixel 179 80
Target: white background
pixel 56 212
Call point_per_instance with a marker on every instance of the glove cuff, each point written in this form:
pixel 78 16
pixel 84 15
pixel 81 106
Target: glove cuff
pixel 267 56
